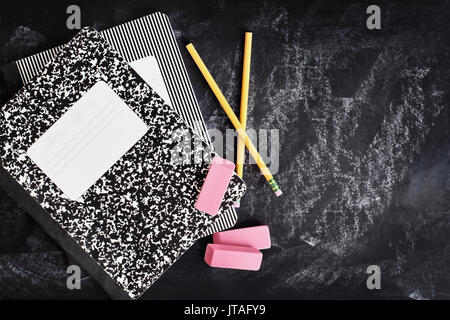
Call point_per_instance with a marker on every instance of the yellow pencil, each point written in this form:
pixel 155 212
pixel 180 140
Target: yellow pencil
pixel 234 120
pixel 240 156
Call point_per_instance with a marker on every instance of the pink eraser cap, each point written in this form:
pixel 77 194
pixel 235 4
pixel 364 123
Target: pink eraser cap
pixel 215 185
pixel 278 193
pixel 233 257
pixel 256 237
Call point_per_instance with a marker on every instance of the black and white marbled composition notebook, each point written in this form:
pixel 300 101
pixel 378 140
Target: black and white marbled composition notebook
pixel 150 36
pixel 129 221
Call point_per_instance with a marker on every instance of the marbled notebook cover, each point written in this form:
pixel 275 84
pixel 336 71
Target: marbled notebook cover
pixel 139 217
pixel 150 35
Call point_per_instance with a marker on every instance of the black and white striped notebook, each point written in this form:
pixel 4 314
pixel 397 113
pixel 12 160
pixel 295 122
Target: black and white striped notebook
pixel 151 35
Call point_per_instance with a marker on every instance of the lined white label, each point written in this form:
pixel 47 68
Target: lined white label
pixel 87 140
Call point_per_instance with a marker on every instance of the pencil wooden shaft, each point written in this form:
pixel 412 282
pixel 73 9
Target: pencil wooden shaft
pixel 234 120
pixel 240 156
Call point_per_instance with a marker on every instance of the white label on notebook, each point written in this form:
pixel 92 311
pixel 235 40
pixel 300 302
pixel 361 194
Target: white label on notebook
pixel 87 140
pixel 147 68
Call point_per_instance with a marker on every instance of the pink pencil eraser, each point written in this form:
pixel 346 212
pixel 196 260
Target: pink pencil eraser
pixel 233 257
pixel 256 237
pixel 215 185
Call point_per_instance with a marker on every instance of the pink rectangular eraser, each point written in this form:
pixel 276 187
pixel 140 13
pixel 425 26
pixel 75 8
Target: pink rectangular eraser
pixel 233 257
pixel 215 185
pixel 256 237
